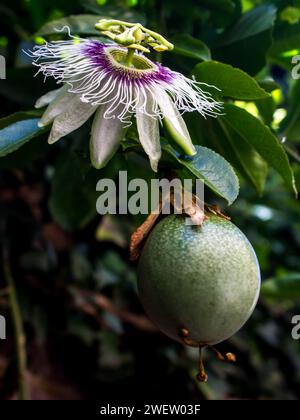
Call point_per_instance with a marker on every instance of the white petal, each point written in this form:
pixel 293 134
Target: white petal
pixel 148 129
pixel 58 106
pixel 174 122
pixel 105 138
pixel 74 117
pixel 48 97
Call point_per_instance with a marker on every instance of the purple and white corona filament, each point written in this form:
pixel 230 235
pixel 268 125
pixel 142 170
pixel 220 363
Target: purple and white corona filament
pixel 96 78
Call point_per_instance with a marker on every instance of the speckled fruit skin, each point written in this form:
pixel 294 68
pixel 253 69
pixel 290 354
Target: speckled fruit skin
pixel 205 279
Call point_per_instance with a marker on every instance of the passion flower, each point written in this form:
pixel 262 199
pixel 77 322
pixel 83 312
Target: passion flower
pixel 118 82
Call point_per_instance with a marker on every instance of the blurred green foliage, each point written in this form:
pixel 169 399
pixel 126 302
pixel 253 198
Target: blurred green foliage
pixel 86 333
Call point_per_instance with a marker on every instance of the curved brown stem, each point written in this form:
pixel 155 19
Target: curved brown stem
pixel 202 375
pixel 229 357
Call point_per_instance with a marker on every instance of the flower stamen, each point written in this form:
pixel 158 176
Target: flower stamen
pixel 133 35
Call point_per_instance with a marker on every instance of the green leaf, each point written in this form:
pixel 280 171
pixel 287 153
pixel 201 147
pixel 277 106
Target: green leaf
pixel 78 24
pixel 188 46
pixel 111 11
pixel 268 84
pixel 17 129
pixel 286 44
pixel 225 6
pixel 262 139
pixel 85 24
pixel 290 126
pixel 73 196
pixel 232 82
pixel 244 157
pixel 238 54
pixel 283 287
pixel 246 44
pixel 290 14
pixel 296 169
pixel 252 23
pixel 212 168
pixel 217 135
pixel 286 38
pixel 266 108
pixel 110 230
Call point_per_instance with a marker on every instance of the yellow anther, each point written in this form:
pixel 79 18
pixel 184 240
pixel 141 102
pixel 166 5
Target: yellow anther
pixel 133 35
pixel 139 47
pixel 125 38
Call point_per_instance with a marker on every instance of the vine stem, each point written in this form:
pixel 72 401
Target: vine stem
pixel 20 340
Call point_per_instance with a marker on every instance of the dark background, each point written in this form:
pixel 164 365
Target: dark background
pixel 87 336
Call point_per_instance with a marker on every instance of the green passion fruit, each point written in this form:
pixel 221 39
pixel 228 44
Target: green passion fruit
pixel 199 285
